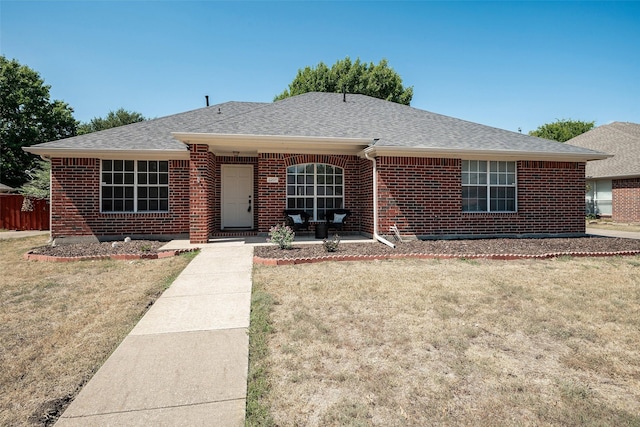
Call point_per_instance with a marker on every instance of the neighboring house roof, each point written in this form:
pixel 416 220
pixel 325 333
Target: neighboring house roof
pixel 5 189
pixel 323 120
pixel 622 139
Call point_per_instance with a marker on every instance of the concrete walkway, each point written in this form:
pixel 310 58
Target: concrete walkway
pixel 613 233
pixel 185 363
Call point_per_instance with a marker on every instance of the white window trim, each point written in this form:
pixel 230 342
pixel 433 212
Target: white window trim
pixel 135 188
pixel 596 201
pixel 315 187
pixel 488 186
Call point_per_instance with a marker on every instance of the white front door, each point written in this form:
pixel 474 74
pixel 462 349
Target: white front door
pixel 237 196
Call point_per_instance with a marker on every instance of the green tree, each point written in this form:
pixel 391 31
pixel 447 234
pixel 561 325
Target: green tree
pixel 379 81
pixel 27 116
pixel 562 130
pixel 38 185
pixel 113 119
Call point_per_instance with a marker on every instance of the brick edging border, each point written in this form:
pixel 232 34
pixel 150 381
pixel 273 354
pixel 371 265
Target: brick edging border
pixel 30 256
pixel 293 261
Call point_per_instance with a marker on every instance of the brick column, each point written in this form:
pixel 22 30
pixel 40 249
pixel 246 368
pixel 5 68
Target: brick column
pixel 200 187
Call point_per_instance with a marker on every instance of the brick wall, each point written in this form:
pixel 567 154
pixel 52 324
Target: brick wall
pixel 626 200
pixel 272 197
pixel 423 196
pixel 201 194
pixel 366 195
pixel 420 195
pixel 75 207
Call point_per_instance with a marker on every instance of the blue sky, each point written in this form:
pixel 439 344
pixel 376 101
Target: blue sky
pixel 505 64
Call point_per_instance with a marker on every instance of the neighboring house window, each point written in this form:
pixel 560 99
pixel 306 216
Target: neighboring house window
pixel 315 188
pixel 599 197
pixel 488 186
pixel 135 186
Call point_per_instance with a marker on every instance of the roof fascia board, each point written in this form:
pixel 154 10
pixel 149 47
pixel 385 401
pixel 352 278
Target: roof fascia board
pixel 109 154
pixel 479 154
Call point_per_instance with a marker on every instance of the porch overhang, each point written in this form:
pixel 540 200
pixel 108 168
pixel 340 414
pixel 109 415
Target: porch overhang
pixel 252 145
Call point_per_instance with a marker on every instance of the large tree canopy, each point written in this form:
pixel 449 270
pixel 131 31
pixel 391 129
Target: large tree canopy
pixel 562 130
pixel 27 117
pixel 113 119
pixel 379 81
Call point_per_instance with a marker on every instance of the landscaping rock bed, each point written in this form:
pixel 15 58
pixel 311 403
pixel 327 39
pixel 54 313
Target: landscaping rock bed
pixel 491 248
pixel 134 249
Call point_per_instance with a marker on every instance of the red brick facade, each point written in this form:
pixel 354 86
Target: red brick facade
pixel 422 196
pixel 626 200
pixel 75 207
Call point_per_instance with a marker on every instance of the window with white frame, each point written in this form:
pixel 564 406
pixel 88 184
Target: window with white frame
pixel 315 188
pixel 488 186
pixel 134 186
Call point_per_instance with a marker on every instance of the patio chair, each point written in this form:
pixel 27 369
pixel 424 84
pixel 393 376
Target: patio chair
pixel 297 219
pixel 336 218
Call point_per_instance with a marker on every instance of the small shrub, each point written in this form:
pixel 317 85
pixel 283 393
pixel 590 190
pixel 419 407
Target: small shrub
pixel 281 235
pixel 145 248
pixel 331 245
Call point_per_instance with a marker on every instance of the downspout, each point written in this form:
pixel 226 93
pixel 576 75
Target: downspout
pixel 375 202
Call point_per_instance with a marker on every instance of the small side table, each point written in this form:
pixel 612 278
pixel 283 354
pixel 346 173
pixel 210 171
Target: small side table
pixel 322 230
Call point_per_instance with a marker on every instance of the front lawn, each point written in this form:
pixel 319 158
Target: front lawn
pixel 60 321
pixel 447 342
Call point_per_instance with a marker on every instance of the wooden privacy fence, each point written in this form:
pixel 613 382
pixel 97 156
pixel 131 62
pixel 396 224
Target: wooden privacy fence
pixel 35 216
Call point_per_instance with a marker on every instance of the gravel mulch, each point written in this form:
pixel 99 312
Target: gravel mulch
pixel 442 247
pixel 134 247
pixel 460 247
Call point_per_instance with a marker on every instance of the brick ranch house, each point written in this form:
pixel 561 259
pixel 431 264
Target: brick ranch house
pixel 613 183
pixel 234 167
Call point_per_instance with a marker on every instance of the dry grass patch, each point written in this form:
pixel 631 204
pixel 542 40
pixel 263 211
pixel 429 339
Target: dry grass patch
pixel 454 342
pixel 60 321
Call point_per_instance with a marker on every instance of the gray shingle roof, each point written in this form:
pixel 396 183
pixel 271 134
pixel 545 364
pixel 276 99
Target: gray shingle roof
pixel 622 139
pixel 154 134
pixel 321 115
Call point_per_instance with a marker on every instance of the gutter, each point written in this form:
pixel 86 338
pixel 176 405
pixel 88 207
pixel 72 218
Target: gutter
pixel 111 154
pixel 470 154
pixel 375 201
